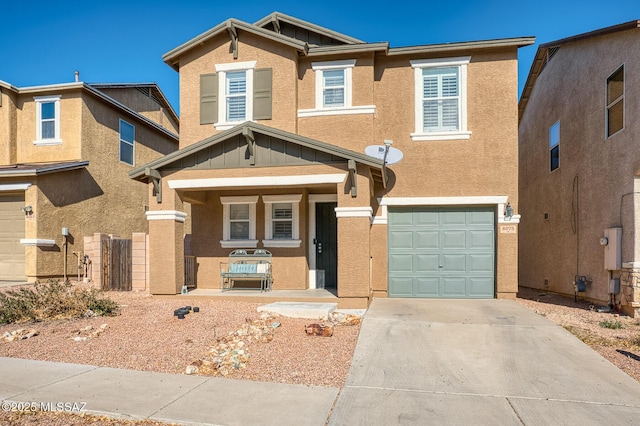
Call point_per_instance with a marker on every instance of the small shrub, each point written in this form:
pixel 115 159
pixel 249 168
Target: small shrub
pixel 614 325
pixel 52 300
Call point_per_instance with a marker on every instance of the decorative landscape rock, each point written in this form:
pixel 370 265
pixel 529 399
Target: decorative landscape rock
pixel 319 329
pixel 230 352
pixel 19 334
pixel 88 332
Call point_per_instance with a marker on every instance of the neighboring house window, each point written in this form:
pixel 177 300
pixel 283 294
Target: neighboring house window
pixel 333 90
pixel 47 120
pixel 440 99
pixel 282 223
pixel 239 221
pixel 127 136
pixel 235 93
pixel 554 146
pixel 615 102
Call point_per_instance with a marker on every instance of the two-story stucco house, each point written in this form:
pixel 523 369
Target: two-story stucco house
pixel 278 119
pixel 65 151
pixel 580 168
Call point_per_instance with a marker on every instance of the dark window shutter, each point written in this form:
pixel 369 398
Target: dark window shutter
pixel 208 98
pixel 262 94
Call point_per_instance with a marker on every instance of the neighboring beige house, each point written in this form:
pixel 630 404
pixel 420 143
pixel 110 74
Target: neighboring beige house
pixel 580 168
pixel 65 151
pixel 276 118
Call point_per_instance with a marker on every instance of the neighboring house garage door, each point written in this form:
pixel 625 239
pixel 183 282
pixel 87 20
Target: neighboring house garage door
pixel 441 252
pixel 11 231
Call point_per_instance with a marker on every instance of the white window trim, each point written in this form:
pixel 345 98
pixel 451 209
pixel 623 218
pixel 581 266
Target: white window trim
pixel 222 69
pixel 226 242
pixel 133 143
pixel 39 100
pixel 418 65
pixel 37 242
pixel 269 200
pixel 348 108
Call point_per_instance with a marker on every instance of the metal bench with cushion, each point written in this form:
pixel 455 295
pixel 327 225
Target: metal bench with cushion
pixel 247 265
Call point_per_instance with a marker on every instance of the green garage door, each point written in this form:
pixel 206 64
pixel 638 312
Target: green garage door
pixel 11 230
pixel 441 252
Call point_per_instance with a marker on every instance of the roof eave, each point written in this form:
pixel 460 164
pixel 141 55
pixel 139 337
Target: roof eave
pixel 481 44
pixel 171 58
pixel 44 170
pixel 348 49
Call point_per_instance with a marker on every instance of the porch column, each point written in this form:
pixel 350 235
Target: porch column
pixel 166 242
pixel 166 251
pixel 354 224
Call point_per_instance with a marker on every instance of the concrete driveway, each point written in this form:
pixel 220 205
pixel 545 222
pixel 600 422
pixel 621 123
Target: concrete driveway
pixel 484 362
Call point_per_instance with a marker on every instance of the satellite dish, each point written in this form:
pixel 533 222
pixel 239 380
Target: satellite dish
pixel 377 151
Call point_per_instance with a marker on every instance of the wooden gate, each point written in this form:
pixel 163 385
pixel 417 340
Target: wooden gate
pixel 116 264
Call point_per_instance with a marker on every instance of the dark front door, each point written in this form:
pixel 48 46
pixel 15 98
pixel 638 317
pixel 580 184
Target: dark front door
pixel 327 243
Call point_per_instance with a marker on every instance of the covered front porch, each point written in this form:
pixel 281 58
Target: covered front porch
pixel 308 203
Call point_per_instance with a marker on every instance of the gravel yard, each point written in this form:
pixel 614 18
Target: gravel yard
pixel 147 336
pixel 615 337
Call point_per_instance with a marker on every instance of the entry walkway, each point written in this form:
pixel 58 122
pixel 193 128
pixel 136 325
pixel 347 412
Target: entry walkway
pixel 478 362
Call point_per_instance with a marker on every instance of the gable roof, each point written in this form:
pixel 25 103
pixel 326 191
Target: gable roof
pixel 545 52
pixel 171 58
pixel 152 89
pixel 274 25
pixel 378 165
pixel 276 18
pixel 90 89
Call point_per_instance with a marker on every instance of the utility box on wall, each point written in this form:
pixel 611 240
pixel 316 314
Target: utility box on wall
pixel 613 249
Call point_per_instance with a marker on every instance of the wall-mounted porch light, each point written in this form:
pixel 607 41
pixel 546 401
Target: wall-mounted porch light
pixel 27 210
pixel 508 212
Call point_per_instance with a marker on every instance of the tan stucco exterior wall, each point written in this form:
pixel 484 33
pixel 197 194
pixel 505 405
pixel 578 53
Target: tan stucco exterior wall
pixel 8 126
pixel 98 198
pixel 202 60
pixel 592 188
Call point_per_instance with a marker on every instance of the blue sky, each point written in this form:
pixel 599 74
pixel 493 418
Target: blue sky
pixel 44 42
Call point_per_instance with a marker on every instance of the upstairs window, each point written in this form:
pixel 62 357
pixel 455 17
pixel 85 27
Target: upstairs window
pixel 282 223
pixel 615 102
pixel 47 120
pixel 333 83
pixel 236 96
pixel 554 146
pixel 235 93
pixel 440 99
pixel 127 136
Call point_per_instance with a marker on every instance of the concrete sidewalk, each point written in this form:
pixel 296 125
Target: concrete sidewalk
pixel 478 362
pixel 164 397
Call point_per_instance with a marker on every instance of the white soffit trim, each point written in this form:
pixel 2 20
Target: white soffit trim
pixel 14 186
pixel 166 215
pixel 354 212
pixel 498 200
pixel 212 183
pixel 32 242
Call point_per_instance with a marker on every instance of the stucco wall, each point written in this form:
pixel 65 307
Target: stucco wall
pixel 592 189
pixel 99 198
pixel 202 60
pixel 8 126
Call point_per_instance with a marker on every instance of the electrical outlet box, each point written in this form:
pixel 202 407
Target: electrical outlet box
pixel 613 249
pixel 614 286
